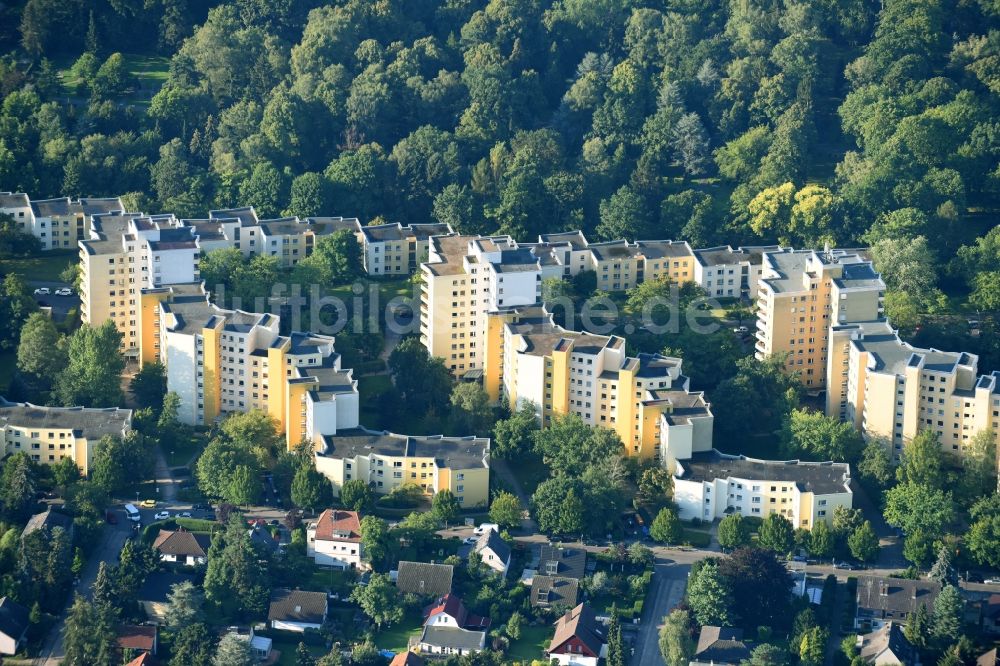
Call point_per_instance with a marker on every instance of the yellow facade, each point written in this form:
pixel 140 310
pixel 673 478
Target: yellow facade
pixel 212 379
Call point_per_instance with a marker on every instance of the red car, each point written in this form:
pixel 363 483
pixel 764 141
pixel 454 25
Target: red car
pixel 111 517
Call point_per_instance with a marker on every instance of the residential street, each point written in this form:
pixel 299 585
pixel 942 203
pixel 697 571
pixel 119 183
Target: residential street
pixel 666 591
pixel 112 541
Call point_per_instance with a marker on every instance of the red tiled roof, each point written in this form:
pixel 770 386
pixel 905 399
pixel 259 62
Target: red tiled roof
pixel 338 525
pixel 136 637
pixel 406 659
pixel 144 659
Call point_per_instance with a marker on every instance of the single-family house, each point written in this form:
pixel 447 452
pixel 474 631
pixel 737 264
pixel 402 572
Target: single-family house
pixel 562 562
pixel 334 539
pixel 260 646
pixel 720 646
pixel 580 640
pixel 449 611
pixel 48 520
pixel 144 659
pixel 887 645
pixel 155 591
pixel 182 546
pixel 439 639
pixel 261 537
pixel 297 610
pixel 990 609
pixel 883 599
pixel 13 625
pixel 493 551
pixel 137 637
pixel 550 591
pixel 426 580
pixel 407 659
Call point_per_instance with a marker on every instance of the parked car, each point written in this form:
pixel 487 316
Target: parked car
pixel 741 330
pixel 274 522
pixel 162 515
pixel 470 540
pixel 486 527
pixel 148 504
pixel 992 581
pixel 43 291
pixel 111 517
pixel 64 291
pixel 202 507
pixel 799 558
pixel 184 514
pixel 848 566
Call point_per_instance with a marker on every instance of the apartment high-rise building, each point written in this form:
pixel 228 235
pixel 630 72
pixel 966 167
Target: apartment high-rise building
pixel 49 434
pixel 805 292
pixel 126 253
pixel 465 278
pixel 891 390
pixel 58 223
pixel 223 361
pixel 645 399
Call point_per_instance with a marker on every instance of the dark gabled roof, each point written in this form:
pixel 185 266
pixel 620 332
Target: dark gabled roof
pixel 889 637
pixel 297 606
pixel 582 624
pixel 563 562
pixel 183 543
pixel 722 645
pixel 47 520
pixel 260 536
pixel 896 594
pixel 453 637
pixel 425 579
pixel 548 591
pixel 13 618
pixel 159 584
pixel 452 606
pixel 493 541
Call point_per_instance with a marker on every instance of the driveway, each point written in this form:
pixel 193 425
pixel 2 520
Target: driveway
pixel 112 539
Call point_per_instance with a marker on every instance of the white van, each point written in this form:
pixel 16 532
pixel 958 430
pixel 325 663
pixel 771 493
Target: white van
pixel 132 513
pixel 486 527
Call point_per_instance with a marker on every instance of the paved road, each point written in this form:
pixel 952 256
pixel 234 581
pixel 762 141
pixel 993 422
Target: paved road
pixel 498 465
pixel 112 539
pixel 665 591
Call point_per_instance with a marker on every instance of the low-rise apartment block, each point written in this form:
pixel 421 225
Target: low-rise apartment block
pixel 58 223
pixel 727 273
pixel 386 461
pixel 394 249
pixel 223 361
pixel 49 434
pixel 891 390
pixel 802 293
pixel 645 399
pixel 711 485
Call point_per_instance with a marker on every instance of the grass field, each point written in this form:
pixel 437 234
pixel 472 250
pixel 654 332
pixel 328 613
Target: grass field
pixel 178 456
pixel 396 638
pixel 147 72
pixel 288 648
pixel 697 538
pixel 531 644
pixel 46 267
pixel 370 390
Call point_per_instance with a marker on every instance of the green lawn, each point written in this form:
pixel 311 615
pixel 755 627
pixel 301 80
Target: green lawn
pixel 697 538
pixel 329 579
pixel 148 74
pixel 531 644
pixel 45 267
pixel 396 638
pixel 288 648
pixel 179 455
pixel 370 389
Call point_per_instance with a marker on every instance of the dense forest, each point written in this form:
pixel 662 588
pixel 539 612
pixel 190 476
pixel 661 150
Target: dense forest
pixel 802 122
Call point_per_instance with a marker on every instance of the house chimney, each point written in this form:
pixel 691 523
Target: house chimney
pixel 883 589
